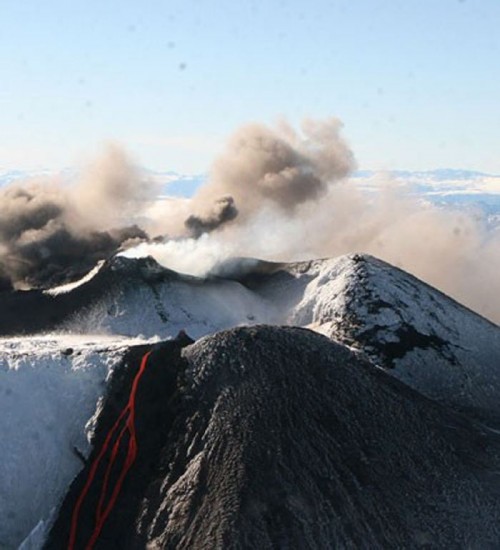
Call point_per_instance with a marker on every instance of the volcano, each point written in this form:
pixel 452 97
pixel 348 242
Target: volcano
pixel 378 432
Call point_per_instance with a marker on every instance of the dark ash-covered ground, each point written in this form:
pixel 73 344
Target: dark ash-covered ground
pixel 270 437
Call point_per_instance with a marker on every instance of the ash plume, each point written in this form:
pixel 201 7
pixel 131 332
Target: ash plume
pixel 275 193
pixel 222 211
pixel 295 202
pixel 51 232
pixel 275 166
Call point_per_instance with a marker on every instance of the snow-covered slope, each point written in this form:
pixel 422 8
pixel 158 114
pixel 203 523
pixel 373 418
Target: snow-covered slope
pixel 52 379
pixel 425 338
pixel 133 297
pixel 49 389
pixel 154 301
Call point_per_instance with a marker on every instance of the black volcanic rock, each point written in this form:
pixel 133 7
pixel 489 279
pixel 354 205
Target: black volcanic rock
pixel 270 437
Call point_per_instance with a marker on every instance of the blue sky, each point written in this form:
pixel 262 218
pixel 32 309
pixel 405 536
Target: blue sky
pixel 416 82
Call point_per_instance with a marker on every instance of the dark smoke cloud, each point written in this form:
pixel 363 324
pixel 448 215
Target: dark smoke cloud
pixel 222 211
pixel 52 233
pixel 276 166
pixel 61 256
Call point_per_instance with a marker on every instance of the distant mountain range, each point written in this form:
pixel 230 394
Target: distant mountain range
pixel 177 184
pixel 172 183
pixel 11 176
pixel 445 187
pixel 439 174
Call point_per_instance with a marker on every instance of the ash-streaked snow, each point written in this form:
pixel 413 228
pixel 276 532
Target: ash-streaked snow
pixel 160 307
pixel 423 337
pixel 50 386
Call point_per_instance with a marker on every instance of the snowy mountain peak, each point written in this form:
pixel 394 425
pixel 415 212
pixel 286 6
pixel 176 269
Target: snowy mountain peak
pixel 425 338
